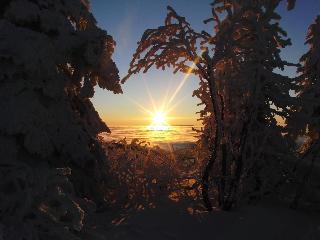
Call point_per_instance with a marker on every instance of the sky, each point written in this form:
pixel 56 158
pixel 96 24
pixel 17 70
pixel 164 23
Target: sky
pixel 126 20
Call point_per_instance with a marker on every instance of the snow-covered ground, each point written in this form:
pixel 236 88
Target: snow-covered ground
pixel 268 220
pixel 262 222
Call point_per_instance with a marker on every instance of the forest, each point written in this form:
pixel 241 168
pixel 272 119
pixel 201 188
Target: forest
pixel 253 173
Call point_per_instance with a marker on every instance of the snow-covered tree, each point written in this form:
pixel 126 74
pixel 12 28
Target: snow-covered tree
pixel 305 120
pixel 52 55
pixel 253 96
pixel 238 87
pixel 307 113
pixel 176 45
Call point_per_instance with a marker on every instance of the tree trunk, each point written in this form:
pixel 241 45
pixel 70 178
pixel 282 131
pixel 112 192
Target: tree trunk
pixel 206 174
pixel 217 141
pixel 234 185
pixel 223 175
pixel 307 174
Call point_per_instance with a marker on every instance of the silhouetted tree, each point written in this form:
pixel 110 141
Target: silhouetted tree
pixel 52 166
pixel 175 45
pixel 305 120
pixel 241 93
pixel 253 96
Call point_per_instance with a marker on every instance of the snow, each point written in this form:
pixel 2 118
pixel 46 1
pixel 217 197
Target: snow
pixel 262 222
pixel 53 170
pixel 48 125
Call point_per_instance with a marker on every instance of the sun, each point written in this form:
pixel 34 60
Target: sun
pixel 159 118
pixel 159 122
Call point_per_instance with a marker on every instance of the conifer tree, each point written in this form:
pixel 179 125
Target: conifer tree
pixel 305 120
pixel 52 166
pixel 307 114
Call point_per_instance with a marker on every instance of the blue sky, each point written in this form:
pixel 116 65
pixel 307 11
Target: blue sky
pixel 126 21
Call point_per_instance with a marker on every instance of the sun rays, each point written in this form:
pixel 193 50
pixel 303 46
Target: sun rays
pixel 159 115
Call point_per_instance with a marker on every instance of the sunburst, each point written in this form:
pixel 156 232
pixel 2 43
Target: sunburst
pixel 159 116
pixel 159 122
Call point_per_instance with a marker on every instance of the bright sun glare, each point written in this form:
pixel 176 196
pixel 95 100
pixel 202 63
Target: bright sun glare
pixel 159 115
pixel 159 122
pixel 158 118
